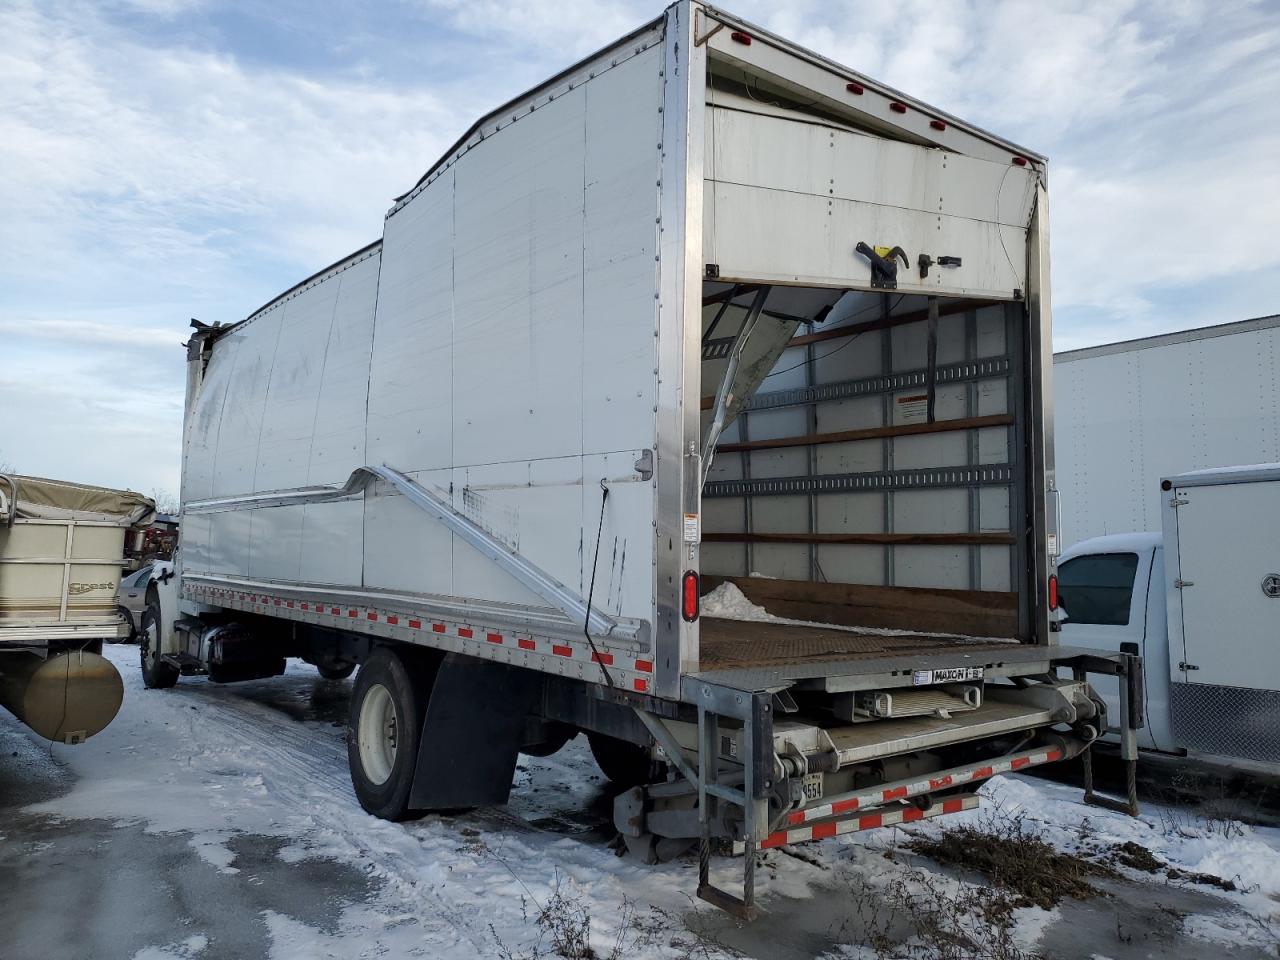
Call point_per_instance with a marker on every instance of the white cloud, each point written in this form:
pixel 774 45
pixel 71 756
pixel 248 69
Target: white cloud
pixel 147 180
pixel 567 29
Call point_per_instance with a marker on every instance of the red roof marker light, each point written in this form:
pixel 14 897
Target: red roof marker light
pixel 937 124
pixel 897 107
pixel 739 37
pixel 854 88
pixel 1020 161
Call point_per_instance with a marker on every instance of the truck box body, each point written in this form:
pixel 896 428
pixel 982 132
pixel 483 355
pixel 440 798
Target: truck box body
pixel 1131 413
pixel 637 334
pixel 1222 587
pixel 507 345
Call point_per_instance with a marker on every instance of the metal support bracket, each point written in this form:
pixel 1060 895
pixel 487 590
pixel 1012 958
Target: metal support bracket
pixel 756 754
pixel 1129 673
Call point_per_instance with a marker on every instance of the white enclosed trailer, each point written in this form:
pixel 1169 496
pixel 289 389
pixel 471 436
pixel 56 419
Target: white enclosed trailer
pixel 1201 602
pixel 1131 413
pixel 704 305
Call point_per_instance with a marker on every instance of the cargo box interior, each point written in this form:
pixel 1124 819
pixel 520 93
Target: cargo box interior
pixel 862 469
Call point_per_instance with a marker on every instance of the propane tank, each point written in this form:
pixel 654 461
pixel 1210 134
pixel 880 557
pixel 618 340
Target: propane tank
pixel 67 697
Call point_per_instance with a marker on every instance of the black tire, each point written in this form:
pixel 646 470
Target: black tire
pixel 336 671
pixel 383 783
pixel 557 735
pixel 156 674
pixel 626 764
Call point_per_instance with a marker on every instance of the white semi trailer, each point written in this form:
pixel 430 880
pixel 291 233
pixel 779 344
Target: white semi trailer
pixel 1131 413
pixel 701 306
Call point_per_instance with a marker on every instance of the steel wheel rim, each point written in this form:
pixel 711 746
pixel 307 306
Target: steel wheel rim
pixel 376 734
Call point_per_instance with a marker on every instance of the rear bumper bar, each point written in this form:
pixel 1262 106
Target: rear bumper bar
pixel 872 820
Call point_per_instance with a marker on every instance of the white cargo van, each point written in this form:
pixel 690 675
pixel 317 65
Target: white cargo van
pixel 702 306
pixel 1201 603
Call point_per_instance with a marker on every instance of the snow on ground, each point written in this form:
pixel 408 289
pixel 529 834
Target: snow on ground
pixel 268 759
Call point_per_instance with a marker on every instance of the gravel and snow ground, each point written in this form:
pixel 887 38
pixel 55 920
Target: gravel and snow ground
pixel 218 821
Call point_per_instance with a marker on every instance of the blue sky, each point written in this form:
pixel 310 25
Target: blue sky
pixel 168 159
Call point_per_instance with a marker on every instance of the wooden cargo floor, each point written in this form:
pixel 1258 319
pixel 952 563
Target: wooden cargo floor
pixel 751 644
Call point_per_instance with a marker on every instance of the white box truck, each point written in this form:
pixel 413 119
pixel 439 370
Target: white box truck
pixel 701 306
pixel 1201 602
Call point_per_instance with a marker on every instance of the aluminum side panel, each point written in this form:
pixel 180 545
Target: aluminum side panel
pixel 410 380
pixel 513 364
pixel 240 429
pixel 403 550
pixel 338 441
pixel 293 393
pixel 760 233
pixel 788 200
pixel 620 322
pixel 518 325
pixel 535 508
pixel 1226 549
pixel 201 453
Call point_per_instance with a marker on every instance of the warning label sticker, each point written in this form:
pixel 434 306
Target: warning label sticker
pixel 692 528
pixel 913 408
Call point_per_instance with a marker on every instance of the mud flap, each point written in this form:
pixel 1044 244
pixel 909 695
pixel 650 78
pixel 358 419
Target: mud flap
pixel 472 733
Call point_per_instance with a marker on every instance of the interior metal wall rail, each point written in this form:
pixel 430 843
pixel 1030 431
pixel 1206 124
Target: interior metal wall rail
pixel 996 474
pixel 983 369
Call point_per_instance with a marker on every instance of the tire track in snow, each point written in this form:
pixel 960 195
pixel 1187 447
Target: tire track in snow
pixel 297 760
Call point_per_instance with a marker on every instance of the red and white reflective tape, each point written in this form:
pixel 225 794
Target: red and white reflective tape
pixel 868 821
pixel 481 640
pixel 973 773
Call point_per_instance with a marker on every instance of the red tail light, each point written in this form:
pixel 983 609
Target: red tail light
pixel 689 596
pixel 1053 592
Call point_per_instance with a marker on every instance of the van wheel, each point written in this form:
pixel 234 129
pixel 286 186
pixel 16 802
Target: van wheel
pixel 156 674
pixel 387 710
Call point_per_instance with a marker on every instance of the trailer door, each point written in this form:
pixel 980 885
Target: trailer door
pixel 1228 563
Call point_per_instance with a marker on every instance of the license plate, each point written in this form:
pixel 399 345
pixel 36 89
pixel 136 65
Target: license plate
pixel 923 678
pixel 812 787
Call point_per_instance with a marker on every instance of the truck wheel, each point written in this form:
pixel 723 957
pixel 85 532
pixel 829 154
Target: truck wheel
pixel 623 762
pixel 156 674
pixel 387 711
pixel 336 671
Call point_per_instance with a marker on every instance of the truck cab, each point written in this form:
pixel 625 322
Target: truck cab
pixel 1199 602
pixel 1111 590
